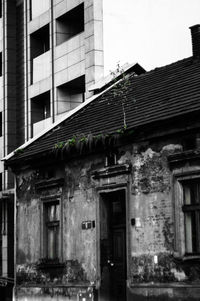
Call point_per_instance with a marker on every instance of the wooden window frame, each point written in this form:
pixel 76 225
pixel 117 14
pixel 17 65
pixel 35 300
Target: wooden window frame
pixel 51 225
pixel 44 236
pixel 195 209
pixel 180 209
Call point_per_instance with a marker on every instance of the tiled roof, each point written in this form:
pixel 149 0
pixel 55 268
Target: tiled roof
pixel 159 94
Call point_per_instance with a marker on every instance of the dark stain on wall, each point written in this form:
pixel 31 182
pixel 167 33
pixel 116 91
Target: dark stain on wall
pixel 48 272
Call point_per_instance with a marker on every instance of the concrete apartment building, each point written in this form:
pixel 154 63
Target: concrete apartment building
pixel 51 51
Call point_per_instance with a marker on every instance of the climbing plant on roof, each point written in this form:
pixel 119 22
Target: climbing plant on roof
pixel 80 142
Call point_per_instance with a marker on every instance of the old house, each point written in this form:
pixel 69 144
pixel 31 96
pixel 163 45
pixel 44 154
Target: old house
pixel 108 199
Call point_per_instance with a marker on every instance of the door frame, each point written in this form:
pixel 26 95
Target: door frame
pixel 110 189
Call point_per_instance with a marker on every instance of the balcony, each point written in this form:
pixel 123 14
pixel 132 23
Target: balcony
pixel 41 125
pixel 39 7
pixel 70 95
pixel 40 112
pixel 70 60
pixel 41 67
pixel 70 24
pixel 40 54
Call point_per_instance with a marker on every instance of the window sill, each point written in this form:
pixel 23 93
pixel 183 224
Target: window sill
pixel 164 285
pixel 187 257
pixel 191 258
pixel 55 285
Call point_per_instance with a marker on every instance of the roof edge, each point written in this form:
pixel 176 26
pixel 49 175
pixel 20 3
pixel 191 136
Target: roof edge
pixel 108 79
pixel 59 121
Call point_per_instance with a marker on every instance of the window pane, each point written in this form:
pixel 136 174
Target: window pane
pixel 50 240
pixel 52 229
pixel 190 232
pixel 53 212
pixel 57 215
pixel 53 242
pixel 56 241
pixel 191 193
pixel 187 198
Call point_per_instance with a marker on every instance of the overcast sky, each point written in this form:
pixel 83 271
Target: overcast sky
pixel 151 32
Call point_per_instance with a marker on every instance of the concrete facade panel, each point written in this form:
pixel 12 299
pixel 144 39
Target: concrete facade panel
pixel 39 22
pixel 40 87
pixel 70 73
pixel 60 8
pixel 70 45
pixel 41 67
pixel 39 7
pixel 74 57
pixel 75 42
pixel 98 70
pixel 61 63
pixel 73 3
pixel 94 58
pixel 76 70
pixel 41 125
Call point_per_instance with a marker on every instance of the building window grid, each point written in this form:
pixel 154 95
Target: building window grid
pixel 191 211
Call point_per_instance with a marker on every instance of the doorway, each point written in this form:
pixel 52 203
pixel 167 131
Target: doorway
pixel 113 246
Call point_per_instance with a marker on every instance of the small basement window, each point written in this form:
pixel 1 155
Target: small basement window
pixel 70 24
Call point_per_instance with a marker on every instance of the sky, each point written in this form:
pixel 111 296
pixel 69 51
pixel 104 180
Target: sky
pixel 153 33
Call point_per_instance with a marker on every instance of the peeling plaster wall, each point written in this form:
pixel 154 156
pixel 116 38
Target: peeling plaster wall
pixel 28 232
pixel 150 241
pixel 151 206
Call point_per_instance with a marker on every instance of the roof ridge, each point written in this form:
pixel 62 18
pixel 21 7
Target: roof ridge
pixel 171 65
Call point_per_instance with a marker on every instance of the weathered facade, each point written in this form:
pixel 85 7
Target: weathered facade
pixel 108 200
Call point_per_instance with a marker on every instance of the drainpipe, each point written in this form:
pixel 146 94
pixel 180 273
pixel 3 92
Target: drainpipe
pixel 26 71
pixel 4 88
pixel 15 251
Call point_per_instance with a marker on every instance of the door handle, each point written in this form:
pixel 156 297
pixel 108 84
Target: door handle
pixel 110 263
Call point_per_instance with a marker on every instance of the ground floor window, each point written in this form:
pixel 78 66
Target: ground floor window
pixel 191 210
pixel 52 229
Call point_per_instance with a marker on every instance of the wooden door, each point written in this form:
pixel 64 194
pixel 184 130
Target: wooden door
pixel 113 247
